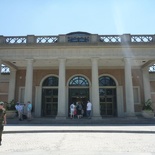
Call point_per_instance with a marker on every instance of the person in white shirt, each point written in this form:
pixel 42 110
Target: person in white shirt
pixel 89 108
pixel 72 108
pixel 19 108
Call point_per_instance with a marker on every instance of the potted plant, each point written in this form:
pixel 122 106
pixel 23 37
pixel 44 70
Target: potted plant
pixel 10 109
pixel 147 110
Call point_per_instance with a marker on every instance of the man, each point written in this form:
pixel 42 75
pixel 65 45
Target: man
pixel 89 107
pixel 19 108
pixel 2 120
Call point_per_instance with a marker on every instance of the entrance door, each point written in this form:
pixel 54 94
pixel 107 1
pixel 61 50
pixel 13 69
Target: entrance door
pixel 78 95
pixel 108 102
pixel 50 102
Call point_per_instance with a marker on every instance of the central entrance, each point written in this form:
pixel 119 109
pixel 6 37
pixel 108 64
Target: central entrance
pixel 79 95
pixel 78 92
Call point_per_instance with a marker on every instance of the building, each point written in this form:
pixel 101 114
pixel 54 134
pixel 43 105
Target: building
pixel 112 71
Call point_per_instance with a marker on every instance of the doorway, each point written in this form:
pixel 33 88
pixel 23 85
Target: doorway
pixel 107 96
pixel 50 102
pixel 78 95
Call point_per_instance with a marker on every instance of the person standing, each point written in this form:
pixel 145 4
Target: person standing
pixel 29 109
pixel 19 108
pixel 2 120
pixel 79 110
pixel 89 108
pixel 72 108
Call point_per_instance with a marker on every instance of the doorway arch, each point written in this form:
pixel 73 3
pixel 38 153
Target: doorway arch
pixel 78 91
pixel 107 96
pixel 50 96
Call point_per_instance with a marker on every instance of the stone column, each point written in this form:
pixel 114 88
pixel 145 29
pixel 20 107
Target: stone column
pixel 146 83
pixel 29 81
pixel 129 88
pixel 95 89
pixel 61 90
pixel 12 83
pixel 0 68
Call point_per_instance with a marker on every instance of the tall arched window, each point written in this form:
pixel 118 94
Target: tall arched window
pixel 50 96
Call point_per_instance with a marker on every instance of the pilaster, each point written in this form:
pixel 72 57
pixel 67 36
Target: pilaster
pixel 146 83
pixel 12 83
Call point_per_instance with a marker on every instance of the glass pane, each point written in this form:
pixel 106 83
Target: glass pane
pixel 51 81
pixel 78 81
pixel 106 81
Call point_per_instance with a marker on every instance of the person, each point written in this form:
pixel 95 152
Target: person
pixel 2 119
pixel 72 108
pixel 89 108
pixel 29 109
pixel 19 108
pixel 79 110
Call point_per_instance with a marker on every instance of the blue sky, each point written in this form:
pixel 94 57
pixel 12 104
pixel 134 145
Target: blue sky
pixel 54 17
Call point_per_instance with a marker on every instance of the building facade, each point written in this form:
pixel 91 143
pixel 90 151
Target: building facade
pixel 112 71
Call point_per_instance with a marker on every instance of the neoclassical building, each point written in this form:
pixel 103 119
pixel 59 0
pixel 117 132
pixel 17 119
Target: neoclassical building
pixel 115 72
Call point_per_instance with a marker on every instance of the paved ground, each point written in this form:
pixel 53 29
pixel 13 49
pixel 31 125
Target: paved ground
pixel 32 139
pixel 116 136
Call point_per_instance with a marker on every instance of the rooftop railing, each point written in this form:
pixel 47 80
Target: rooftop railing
pixel 77 37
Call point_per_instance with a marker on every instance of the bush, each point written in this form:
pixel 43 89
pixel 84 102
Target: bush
pixel 10 105
pixel 148 105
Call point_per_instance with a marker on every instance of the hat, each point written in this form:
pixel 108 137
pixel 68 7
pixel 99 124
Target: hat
pixel 1 103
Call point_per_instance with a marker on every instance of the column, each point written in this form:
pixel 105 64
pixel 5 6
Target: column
pixel 95 89
pixel 0 68
pixel 61 90
pixel 12 82
pixel 129 88
pixel 29 81
pixel 146 83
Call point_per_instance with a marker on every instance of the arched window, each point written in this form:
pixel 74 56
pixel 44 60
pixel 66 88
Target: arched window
pixel 50 81
pixel 78 81
pixel 106 81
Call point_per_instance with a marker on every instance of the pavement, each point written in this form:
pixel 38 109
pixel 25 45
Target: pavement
pixel 110 136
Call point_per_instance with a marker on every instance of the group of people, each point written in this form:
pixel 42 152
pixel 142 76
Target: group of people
pixel 78 110
pixel 24 110
pixel 20 109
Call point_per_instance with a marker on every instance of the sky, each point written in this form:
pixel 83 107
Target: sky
pixel 54 17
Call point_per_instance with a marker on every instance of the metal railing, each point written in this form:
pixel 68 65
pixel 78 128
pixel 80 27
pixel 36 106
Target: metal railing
pixel 77 37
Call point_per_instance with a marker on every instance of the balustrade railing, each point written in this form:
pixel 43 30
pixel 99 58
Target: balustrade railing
pixel 15 40
pixel 5 69
pixel 152 68
pixel 88 38
pixel 46 39
pixel 141 38
pixel 110 38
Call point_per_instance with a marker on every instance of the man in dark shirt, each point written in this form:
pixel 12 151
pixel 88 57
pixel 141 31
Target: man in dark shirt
pixel 2 119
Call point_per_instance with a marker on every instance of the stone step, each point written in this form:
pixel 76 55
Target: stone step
pixel 84 121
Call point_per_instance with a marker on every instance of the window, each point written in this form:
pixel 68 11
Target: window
pixel 78 81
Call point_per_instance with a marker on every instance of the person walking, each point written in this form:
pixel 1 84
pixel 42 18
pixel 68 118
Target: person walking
pixel 89 108
pixel 29 110
pixel 2 119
